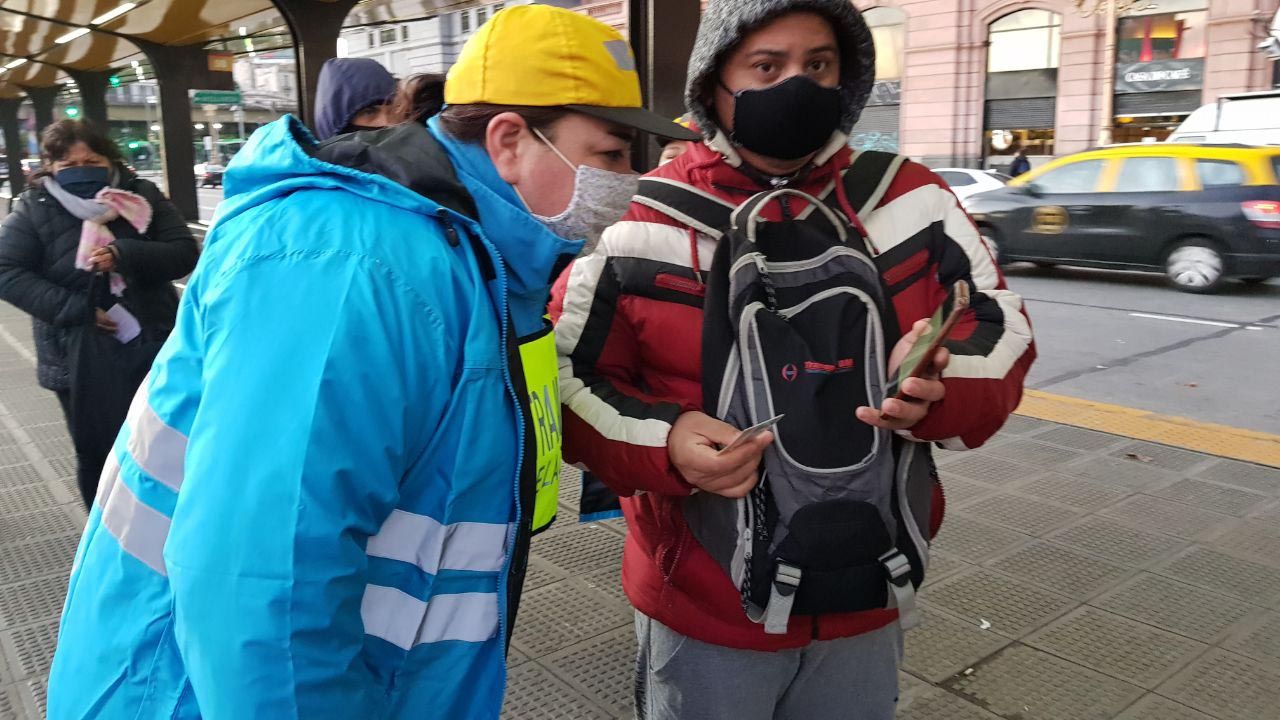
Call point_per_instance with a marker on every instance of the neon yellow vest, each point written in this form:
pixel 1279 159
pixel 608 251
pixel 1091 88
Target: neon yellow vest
pixel 542 379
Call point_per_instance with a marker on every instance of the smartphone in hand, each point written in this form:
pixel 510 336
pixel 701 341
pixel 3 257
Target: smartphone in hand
pixel 941 325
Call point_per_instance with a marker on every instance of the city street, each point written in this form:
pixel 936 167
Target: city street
pixel 1108 549
pixel 208 198
pixel 1127 339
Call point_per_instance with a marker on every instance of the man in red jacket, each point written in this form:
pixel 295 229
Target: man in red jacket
pixel 775 87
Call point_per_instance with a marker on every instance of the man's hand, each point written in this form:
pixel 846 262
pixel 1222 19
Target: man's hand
pixel 105 324
pixel 104 259
pixel 693 444
pixel 918 393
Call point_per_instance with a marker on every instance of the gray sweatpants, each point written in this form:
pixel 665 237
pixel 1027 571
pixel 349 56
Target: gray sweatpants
pixel 679 678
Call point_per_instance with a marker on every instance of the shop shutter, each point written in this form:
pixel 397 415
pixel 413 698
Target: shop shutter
pixel 1158 103
pixel 1028 113
pixel 878 119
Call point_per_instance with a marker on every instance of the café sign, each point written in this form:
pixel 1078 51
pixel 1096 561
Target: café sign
pixel 1160 75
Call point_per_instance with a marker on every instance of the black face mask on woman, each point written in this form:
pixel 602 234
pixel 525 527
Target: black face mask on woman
pixel 84 180
pixel 787 121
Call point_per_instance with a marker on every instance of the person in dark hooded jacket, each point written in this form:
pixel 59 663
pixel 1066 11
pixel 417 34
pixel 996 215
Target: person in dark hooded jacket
pixel 39 244
pixel 775 87
pixel 353 94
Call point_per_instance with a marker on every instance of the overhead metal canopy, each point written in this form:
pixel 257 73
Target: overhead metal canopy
pixel 45 44
pixel 95 35
pixel 37 30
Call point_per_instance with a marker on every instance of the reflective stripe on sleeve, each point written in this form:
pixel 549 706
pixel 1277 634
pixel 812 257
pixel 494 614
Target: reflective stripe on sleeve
pixel 140 529
pixel 406 621
pixel 432 546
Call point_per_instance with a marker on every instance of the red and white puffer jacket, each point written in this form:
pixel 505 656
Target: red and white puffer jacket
pixel 629 335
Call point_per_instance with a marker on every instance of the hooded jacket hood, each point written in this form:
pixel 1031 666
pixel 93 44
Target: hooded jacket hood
pixel 401 165
pixel 726 22
pixel 347 86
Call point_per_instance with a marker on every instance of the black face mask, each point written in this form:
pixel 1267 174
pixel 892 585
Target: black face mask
pixel 83 181
pixel 358 128
pixel 788 121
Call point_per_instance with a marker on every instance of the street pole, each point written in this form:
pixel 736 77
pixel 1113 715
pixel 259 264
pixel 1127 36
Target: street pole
pixel 211 123
pixel 146 122
pixel 164 176
pixel 1108 77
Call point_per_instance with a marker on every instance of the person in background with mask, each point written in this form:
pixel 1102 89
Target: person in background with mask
pixel 321 504
pixel 353 94
pixel 775 87
pixel 85 190
pixel 673 148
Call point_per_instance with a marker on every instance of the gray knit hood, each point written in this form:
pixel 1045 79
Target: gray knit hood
pixel 726 22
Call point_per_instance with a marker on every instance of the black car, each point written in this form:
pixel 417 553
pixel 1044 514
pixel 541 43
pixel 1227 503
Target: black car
pixel 1199 214
pixel 209 174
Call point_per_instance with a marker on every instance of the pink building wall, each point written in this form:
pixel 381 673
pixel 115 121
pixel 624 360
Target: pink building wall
pixel 944 67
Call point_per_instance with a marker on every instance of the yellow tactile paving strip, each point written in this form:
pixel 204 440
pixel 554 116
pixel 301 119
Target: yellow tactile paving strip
pixel 1221 440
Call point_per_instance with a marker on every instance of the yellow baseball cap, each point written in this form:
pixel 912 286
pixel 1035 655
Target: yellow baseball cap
pixel 544 56
pixel 683 121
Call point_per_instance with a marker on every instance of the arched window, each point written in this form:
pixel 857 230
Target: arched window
pixel 1022 84
pixel 877 128
pixel 889 30
pixel 1025 40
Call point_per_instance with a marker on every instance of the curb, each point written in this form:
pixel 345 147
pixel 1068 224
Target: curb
pixel 1213 439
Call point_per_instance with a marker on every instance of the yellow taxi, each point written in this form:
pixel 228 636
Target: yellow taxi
pixel 1201 214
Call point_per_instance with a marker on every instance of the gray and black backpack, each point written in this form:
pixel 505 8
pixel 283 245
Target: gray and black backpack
pixel 797 323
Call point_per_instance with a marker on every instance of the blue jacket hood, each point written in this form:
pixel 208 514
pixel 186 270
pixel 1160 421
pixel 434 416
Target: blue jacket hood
pixel 347 86
pixel 283 157
pixel 534 256
pixel 412 167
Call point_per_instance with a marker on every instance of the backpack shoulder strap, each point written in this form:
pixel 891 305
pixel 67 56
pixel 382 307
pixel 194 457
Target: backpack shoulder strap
pixel 747 216
pixel 867 179
pixel 696 208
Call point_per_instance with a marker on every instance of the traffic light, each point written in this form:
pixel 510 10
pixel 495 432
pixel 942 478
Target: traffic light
pixel 114 80
pixel 72 111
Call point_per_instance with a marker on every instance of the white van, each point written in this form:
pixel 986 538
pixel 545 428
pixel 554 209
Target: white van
pixel 1246 119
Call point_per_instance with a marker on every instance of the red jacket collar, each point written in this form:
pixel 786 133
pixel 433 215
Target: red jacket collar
pixel 707 170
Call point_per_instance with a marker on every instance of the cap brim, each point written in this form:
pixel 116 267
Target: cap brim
pixel 639 119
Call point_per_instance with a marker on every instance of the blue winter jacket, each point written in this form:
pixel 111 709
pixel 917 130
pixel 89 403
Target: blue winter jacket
pixel 315 507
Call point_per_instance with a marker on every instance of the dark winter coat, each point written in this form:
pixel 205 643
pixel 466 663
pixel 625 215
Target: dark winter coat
pixel 1020 166
pixel 38 243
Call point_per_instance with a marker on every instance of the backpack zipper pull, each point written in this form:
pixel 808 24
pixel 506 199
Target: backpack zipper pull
pixel 771 295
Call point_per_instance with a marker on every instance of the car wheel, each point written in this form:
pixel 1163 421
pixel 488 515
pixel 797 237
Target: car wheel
pixel 988 236
pixel 1195 266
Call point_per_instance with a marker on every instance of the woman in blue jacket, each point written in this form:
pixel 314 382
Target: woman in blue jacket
pixel 321 502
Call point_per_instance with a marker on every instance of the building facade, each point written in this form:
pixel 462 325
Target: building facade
pixel 978 76
pixel 430 45
pixel 961 82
